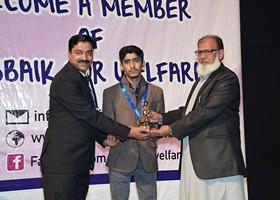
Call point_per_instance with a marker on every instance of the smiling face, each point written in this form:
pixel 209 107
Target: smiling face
pixel 81 56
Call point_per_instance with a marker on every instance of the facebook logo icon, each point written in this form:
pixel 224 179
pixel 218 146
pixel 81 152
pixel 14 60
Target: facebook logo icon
pixel 15 162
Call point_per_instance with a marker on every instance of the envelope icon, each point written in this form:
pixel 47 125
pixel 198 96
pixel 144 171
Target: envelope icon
pixel 17 117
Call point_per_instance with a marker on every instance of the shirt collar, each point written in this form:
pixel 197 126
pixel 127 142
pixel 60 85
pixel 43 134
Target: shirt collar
pixel 204 78
pixel 139 85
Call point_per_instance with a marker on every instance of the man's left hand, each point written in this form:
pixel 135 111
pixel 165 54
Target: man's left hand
pixel 111 141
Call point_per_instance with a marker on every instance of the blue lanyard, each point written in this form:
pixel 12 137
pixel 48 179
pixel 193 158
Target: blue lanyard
pixel 93 97
pixel 92 93
pixel 130 100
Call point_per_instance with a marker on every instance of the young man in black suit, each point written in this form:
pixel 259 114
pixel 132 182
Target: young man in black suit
pixel 74 125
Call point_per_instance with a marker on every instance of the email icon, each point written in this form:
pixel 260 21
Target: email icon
pixel 17 117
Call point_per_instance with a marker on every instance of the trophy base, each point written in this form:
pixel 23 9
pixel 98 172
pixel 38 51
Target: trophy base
pixel 147 125
pixel 142 124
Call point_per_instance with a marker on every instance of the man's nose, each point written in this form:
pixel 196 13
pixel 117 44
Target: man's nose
pixel 84 56
pixel 132 64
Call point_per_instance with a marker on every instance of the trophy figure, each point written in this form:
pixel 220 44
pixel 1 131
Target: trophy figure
pixel 144 122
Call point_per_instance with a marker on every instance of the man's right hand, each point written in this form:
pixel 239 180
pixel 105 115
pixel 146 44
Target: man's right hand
pixel 154 117
pixel 139 133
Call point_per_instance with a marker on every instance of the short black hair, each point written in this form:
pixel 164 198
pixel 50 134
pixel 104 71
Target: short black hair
pixel 130 49
pixel 75 39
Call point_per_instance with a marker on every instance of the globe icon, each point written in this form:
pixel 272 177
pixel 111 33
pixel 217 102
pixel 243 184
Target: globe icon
pixel 15 138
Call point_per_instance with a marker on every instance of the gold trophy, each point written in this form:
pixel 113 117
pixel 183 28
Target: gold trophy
pixel 144 122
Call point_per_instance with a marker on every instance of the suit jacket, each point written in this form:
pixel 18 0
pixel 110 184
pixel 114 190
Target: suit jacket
pixel 212 126
pixel 74 125
pixel 125 156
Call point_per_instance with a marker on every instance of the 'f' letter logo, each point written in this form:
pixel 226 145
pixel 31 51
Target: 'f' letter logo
pixel 15 162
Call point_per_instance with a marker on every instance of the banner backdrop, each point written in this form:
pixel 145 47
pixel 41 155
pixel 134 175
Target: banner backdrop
pixel 34 38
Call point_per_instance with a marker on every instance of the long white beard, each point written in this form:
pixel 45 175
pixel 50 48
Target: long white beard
pixel 203 70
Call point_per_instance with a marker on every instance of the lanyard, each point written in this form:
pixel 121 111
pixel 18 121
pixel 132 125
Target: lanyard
pixel 130 100
pixel 92 93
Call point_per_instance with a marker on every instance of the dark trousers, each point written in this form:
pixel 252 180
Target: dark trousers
pixel 65 186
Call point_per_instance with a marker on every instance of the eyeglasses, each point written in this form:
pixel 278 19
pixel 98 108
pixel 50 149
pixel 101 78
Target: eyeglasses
pixel 206 52
pixel 134 60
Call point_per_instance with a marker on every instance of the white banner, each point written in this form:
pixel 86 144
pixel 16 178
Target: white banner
pixel 34 38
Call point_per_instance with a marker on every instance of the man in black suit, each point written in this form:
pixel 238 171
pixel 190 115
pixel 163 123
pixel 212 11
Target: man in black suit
pixel 74 125
pixel 212 165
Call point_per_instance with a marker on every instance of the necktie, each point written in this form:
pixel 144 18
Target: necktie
pixel 92 92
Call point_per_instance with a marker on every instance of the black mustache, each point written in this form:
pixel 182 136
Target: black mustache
pixel 84 61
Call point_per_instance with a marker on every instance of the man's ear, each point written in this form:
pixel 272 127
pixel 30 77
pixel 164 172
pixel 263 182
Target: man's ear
pixel 221 53
pixel 143 66
pixel 121 67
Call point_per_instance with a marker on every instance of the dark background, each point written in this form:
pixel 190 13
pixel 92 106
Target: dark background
pixel 260 67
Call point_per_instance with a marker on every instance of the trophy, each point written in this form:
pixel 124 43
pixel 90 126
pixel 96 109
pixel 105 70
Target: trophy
pixel 144 122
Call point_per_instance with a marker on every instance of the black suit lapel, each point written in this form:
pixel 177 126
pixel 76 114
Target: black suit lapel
pixel 189 97
pixel 86 81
